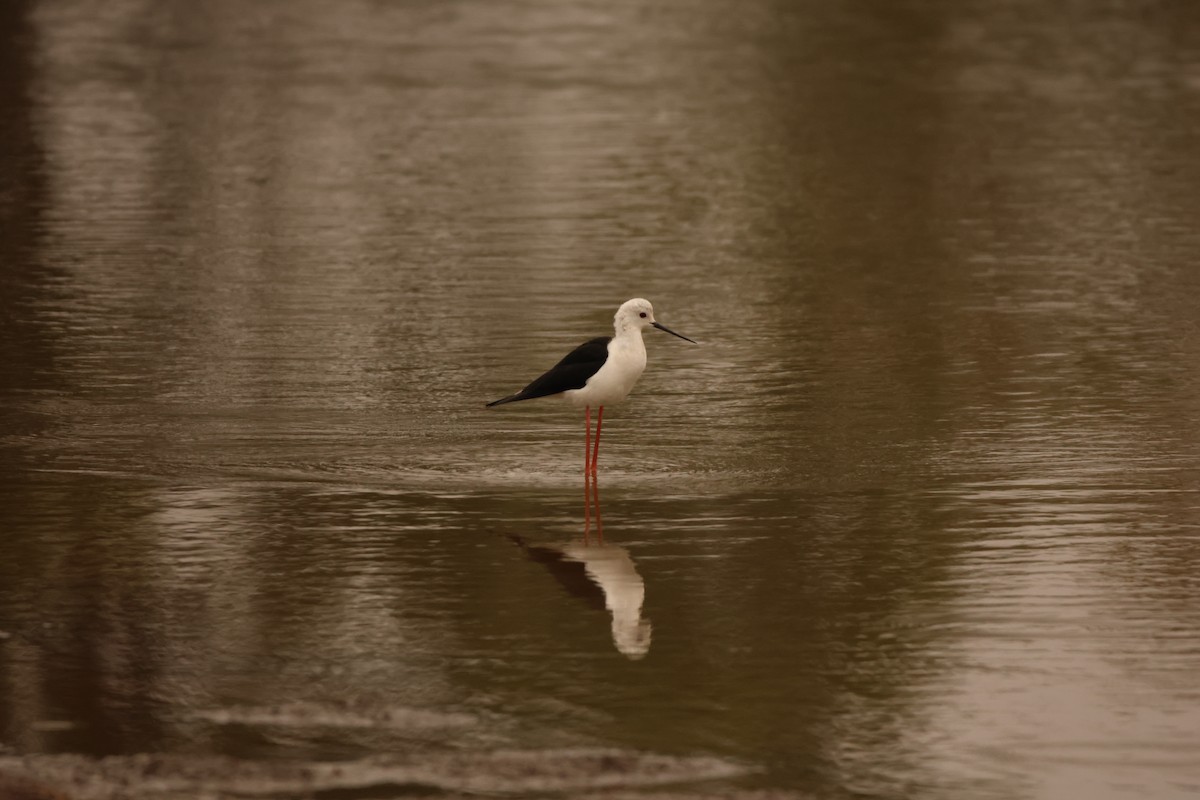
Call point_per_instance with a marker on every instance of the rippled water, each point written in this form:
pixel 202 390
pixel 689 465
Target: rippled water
pixel 919 517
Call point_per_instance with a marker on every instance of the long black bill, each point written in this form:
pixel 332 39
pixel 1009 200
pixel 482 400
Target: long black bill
pixel 673 333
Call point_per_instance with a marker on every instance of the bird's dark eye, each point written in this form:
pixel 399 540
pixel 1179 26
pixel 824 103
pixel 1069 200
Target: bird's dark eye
pixel 642 315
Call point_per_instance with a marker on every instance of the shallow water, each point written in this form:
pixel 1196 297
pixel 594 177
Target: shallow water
pixel 919 516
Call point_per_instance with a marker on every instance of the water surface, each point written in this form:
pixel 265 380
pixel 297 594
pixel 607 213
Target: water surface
pixel 919 516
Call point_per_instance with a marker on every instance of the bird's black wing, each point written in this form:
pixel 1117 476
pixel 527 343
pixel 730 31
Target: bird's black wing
pixel 571 373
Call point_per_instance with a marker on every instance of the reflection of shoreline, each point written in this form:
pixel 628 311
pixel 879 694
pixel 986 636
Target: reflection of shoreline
pixel 468 772
pixel 603 576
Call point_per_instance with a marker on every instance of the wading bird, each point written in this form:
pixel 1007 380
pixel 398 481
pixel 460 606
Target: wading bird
pixel 600 372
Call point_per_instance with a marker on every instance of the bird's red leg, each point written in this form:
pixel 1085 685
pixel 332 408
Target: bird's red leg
pixel 587 489
pixel 587 442
pixel 596 447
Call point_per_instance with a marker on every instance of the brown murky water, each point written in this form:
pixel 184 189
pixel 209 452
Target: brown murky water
pixel 920 517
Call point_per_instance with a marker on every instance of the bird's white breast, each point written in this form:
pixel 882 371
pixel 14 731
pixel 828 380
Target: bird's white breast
pixel 613 382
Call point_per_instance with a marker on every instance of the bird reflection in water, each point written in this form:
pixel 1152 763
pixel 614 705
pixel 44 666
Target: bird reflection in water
pixel 601 574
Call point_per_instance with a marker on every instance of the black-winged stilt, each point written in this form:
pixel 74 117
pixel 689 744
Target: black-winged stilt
pixel 600 372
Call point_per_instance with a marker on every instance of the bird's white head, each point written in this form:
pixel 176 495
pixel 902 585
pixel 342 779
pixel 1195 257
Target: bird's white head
pixel 636 314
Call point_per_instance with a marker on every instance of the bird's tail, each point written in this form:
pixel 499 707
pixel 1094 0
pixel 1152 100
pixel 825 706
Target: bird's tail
pixel 512 398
